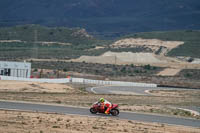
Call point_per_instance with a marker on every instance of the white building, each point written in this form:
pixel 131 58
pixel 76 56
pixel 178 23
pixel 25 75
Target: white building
pixel 15 69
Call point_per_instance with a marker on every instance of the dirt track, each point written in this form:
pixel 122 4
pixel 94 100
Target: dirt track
pixel 169 72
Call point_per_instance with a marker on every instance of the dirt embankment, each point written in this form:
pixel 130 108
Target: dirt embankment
pixel 153 44
pixel 125 58
pixel 17 86
pixel 169 72
pixel 157 58
pixel 24 122
pixel 121 58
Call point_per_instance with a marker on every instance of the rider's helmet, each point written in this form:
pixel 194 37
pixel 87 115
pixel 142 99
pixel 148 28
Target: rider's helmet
pixel 101 100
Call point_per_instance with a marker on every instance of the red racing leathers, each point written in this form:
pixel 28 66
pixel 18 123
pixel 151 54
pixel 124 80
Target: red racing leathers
pixel 106 104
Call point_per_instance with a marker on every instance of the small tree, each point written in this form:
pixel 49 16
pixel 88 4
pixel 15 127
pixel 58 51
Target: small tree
pixel 65 69
pixel 35 70
pixel 132 65
pixel 123 70
pixel 147 67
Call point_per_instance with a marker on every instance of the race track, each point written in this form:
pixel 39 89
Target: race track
pixel 85 112
pixel 127 90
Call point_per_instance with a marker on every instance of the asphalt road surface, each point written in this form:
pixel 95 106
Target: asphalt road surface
pixel 85 112
pixel 126 90
pixel 133 90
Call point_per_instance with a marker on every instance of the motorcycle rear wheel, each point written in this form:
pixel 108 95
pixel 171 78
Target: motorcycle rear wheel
pixel 93 110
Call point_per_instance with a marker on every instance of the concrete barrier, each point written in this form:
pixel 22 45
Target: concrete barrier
pixel 35 79
pixel 78 80
pixel 118 83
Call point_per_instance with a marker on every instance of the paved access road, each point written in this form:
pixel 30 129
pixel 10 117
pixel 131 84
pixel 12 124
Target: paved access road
pixel 85 112
pixel 129 90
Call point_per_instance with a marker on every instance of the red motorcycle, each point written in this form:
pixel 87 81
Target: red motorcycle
pixel 96 108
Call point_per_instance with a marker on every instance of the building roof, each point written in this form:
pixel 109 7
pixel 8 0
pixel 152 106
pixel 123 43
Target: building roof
pixel 15 65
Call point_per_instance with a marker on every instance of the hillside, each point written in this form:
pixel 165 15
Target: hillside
pixel 34 41
pixel 152 48
pixel 36 33
pixel 102 17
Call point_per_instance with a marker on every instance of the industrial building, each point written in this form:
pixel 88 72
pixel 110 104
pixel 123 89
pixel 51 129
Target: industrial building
pixel 15 69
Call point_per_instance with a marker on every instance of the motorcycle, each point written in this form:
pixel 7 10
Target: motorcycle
pixel 96 108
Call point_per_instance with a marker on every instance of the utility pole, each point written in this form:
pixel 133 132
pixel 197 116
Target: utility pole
pixel 35 44
pixel 115 59
pixel 35 36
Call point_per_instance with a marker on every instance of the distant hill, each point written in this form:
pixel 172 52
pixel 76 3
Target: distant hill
pixel 108 18
pixel 35 41
pixel 33 33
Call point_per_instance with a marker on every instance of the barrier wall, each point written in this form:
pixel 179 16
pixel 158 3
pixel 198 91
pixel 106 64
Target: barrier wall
pixel 117 83
pixel 79 80
pixel 35 80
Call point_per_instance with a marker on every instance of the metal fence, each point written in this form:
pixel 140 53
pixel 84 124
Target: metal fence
pixel 79 80
pixel 117 83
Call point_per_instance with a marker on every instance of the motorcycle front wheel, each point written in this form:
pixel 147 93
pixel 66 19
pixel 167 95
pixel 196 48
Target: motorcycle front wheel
pixel 114 112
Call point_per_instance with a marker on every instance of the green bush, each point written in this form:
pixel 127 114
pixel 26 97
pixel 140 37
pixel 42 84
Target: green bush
pixel 147 67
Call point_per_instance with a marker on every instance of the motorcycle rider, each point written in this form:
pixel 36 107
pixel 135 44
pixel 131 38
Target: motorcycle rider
pixel 105 103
